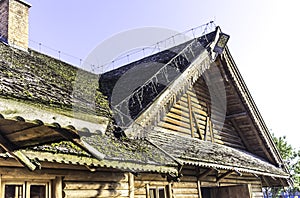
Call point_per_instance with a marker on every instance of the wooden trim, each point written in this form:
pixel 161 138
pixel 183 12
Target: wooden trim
pixel 131 185
pixel 147 191
pixel 197 125
pixel 224 175
pixel 199 188
pixel 211 131
pixel 206 128
pixel 190 115
pixel 205 173
pixel 58 187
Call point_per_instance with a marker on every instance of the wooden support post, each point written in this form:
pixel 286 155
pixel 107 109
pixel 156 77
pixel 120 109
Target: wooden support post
pixel 199 188
pixel 224 175
pixel 205 173
pixel 190 115
pixel 197 125
pixel 131 185
pixel 170 190
pixel 147 191
pixel 58 187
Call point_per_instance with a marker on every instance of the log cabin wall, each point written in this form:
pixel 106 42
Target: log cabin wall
pixel 64 180
pixel 189 185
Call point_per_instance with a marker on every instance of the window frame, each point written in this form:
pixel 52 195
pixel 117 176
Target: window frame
pixel 3 184
pixel 26 187
pixel 157 188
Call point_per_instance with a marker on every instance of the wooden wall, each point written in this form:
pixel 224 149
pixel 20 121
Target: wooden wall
pixel 113 183
pixel 188 186
pixel 100 184
pixel 191 116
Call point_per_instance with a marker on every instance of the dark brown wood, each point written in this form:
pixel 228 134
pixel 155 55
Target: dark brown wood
pixel 243 138
pixel 205 173
pixel 224 175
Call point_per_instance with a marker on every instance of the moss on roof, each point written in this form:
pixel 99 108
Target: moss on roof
pixel 40 79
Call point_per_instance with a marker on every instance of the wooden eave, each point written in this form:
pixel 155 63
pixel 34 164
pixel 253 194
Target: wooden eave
pixel 252 111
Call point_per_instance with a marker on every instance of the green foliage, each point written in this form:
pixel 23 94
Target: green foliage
pixel 291 157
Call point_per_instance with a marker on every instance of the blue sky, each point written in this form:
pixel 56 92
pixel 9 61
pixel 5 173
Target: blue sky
pixel 263 40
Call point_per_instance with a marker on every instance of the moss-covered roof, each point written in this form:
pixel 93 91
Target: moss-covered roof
pixel 192 151
pixel 40 79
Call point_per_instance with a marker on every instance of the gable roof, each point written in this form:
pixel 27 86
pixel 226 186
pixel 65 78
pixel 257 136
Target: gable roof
pixel 241 109
pixel 46 85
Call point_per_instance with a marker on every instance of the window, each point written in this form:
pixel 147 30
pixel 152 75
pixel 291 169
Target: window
pixel 25 190
pixel 13 191
pixel 157 192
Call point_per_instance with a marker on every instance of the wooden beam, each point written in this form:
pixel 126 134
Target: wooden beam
pixel 58 187
pixel 199 188
pixel 131 185
pixel 190 115
pixel 265 180
pixel 242 136
pixel 147 191
pixel 211 131
pixel 205 173
pixel 224 175
pixel 197 125
pixel 11 148
pixel 206 128
pixel 236 115
pixel 21 157
pixel 170 190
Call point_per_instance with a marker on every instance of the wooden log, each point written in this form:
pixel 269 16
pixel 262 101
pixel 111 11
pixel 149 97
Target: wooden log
pixel 95 193
pixel 83 185
pixel 184 185
pixel 186 191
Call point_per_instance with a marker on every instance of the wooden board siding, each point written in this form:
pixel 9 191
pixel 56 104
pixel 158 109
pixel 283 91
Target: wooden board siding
pixel 73 183
pixel 187 187
pixel 102 184
pixel 181 121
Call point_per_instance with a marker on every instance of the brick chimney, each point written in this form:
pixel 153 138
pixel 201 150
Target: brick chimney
pixel 14 23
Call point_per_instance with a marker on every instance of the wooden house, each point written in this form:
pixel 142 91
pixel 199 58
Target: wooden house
pixel 190 130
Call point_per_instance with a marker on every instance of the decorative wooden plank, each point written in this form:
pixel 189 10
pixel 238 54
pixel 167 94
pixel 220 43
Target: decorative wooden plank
pixel 190 116
pixel 197 125
pixel 206 128
pixel 211 131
